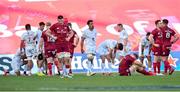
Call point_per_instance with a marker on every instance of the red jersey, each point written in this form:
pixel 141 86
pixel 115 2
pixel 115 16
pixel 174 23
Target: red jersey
pixel 49 43
pixel 167 34
pixel 60 31
pixel 126 62
pixel 158 36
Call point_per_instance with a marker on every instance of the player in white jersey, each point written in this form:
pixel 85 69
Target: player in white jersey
pixel 123 38
pixel 145 50
pixel 107 50
pixel 28 42
pixel 89 39
pixel 40 58
pixel 18 60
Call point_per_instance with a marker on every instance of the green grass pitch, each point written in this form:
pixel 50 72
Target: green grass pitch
pixel 98 82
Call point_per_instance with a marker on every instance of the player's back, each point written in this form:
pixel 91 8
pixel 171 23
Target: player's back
pixel 108 44
pixel 167 34
pixel 126 62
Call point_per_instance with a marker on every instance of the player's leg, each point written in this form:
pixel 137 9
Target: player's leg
pixel 40 61
pixel 90 58
pixel 110 63
pixel 71 53
pixel 67 63
pixel 15 66
pixel 156 64
pixel 103 64
pixel 49 66
pixel 149 63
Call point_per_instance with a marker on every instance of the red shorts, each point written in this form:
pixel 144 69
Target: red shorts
pixel 124 71
pixel 166 50
pixel 50 53
pixel 71 50
pixel 64 47
pixel 157 51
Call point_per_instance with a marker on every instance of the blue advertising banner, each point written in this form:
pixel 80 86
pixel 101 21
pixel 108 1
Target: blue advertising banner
pixel 79 63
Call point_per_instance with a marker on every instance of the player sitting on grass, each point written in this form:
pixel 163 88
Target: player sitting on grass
pixel 18 60
pixel 129 64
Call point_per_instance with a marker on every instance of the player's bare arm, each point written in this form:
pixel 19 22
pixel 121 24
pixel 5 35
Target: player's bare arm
pixel 41 44
pixel 76 40
pixel 49 34
pixel 138 64
pixel 82 44
pixel 175 38
pixel 152 41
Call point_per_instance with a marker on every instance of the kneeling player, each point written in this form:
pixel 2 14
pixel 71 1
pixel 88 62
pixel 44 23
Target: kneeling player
pixel 129 64
pixel 17 61
pixel 107 50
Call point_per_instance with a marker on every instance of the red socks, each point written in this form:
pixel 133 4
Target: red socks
pixel 154 66
pixel 145 72
pixel 49 65
pixel 159 66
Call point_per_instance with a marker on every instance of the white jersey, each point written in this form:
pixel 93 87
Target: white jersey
pixel 122 36
pixel 30 43
pixel 146 43
pixel 90 40
pixel 103 47
pixel 38 38
pixel 29 38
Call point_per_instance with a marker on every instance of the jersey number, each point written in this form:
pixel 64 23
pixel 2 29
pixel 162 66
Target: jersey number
pixel 167 35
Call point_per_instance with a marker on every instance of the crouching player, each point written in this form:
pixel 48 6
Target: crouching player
pixel 145 50
pixel 18 60
pixel 107 50
pixel 129 64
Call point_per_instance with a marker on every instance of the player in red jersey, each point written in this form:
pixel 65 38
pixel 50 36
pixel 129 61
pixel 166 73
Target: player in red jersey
pixel 129 64
pixel 73 42
pixel 169 37
pixel 49 49
pixel 60 32
pixel 156 39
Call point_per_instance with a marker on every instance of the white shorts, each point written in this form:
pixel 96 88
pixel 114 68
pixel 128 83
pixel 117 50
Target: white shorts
pixel 30 52
pixel 16 64
pixel 146 52
pixel 63 55
pixel 91 49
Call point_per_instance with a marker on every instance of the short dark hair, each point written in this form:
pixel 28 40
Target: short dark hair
pixel 157 21
pixel 148 33
pixel 41 23
pixel 165 21
pixel 69 24
pixel 120 24
pixel 119 46
pixel 136 55
pixel 60 17
pixel 28 27
pixel 89 21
